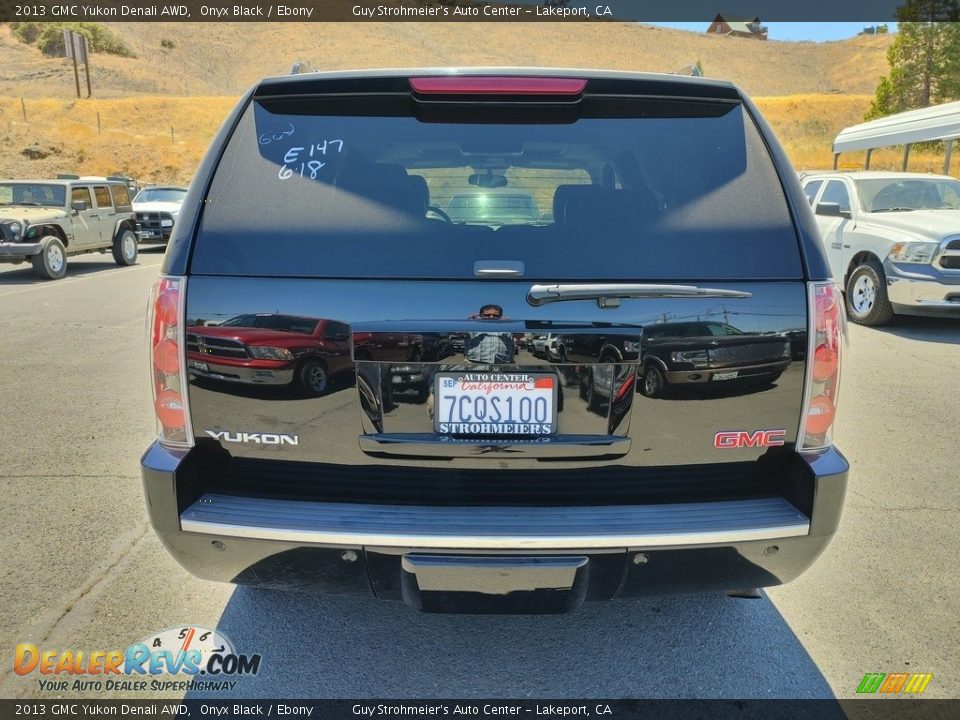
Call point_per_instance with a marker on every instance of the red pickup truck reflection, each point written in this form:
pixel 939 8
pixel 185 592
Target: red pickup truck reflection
pixel 274 349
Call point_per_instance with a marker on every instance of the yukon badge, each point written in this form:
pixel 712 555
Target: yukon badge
pixel 745 438
pixel 254 437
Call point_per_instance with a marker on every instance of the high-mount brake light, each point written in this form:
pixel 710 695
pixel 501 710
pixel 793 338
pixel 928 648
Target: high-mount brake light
pixel 168 371
pixel 823 366
pixel 490 85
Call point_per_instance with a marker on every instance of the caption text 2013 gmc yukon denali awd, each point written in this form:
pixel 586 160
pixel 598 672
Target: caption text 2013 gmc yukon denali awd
pixel 457 471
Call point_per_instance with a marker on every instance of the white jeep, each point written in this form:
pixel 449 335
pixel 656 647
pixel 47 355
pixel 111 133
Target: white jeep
pixel 46 221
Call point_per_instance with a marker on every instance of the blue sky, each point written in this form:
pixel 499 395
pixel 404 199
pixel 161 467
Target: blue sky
pixel 816 31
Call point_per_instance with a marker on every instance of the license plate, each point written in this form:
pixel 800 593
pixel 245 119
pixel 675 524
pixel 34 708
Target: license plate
pixel 725 375
pixel 201 366
pixel 495 403
pixel 149 233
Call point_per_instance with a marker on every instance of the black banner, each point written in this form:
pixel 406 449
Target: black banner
pixel 874 709
pixel 465 10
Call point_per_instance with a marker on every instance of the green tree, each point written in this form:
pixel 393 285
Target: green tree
pixel 924 58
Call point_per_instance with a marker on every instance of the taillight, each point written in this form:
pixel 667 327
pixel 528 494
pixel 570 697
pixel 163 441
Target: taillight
pixel 823 366
pixel 168 371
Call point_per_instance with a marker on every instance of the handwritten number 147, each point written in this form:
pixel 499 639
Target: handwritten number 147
pixel 302 160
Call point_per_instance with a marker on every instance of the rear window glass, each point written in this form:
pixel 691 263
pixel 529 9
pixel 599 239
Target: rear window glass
pixel 679 191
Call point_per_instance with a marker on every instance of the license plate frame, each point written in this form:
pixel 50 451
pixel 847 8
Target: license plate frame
pixel 444 422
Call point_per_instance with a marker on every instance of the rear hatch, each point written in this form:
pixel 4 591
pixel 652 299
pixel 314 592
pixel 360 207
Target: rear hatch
pixel 657 203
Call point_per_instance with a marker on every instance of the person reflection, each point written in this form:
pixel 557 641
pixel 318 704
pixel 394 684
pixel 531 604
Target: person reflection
pixel 480 348
pixel 489 347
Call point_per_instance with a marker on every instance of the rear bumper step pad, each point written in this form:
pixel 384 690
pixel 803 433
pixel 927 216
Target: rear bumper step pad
pixel 495 528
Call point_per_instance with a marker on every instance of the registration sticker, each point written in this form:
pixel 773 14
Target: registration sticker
pixel 495 403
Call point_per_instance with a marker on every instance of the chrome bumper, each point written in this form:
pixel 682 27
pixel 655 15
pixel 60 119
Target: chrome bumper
pixel 926 292
pixel 744 372
pixel 494 528
pixel 249 376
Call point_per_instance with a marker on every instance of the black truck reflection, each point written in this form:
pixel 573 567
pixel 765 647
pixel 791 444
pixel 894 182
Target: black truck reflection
pixel 701 354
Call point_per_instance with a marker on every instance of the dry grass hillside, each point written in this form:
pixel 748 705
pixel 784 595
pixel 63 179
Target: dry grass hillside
pixel 158 111
pixel 161 139
pixel 226 58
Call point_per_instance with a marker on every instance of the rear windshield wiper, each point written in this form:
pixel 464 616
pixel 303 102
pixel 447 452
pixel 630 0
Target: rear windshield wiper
pixel 608 295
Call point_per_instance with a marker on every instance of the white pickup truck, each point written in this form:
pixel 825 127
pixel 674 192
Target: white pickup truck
pixel 892 238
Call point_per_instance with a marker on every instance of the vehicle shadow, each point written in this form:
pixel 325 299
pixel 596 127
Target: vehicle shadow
pixel 23 275
pixel 691 646
pixel 925 329
pixel 338 383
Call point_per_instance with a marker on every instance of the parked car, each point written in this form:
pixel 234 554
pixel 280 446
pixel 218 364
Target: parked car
pixel 709 354
pixel 539 345
pixel 607 389
pixel 552 347
pixel 581 348
pixel 270 349
pixel 496 496
pixel 48 221
pixel 892 239
pixel 157 208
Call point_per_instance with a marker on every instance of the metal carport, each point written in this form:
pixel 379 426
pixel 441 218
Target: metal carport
pixel 940 122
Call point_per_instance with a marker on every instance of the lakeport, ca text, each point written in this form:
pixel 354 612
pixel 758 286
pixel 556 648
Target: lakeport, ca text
pixel 492 12
pixel 544 710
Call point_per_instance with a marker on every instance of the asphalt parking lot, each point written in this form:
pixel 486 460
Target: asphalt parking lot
pixel 81 568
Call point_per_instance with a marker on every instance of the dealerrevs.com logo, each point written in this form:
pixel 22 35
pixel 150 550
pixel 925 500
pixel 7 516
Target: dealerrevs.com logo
pixel 894 683
pixel 171 660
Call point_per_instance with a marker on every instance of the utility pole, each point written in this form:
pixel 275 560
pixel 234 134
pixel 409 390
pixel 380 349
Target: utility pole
pixel 71 52
pixel 86 61
pixel 77 48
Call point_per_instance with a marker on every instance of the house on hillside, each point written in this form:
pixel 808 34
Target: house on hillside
pixel 750 28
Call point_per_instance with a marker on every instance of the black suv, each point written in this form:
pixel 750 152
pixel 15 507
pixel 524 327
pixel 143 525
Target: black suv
pixel 495 488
